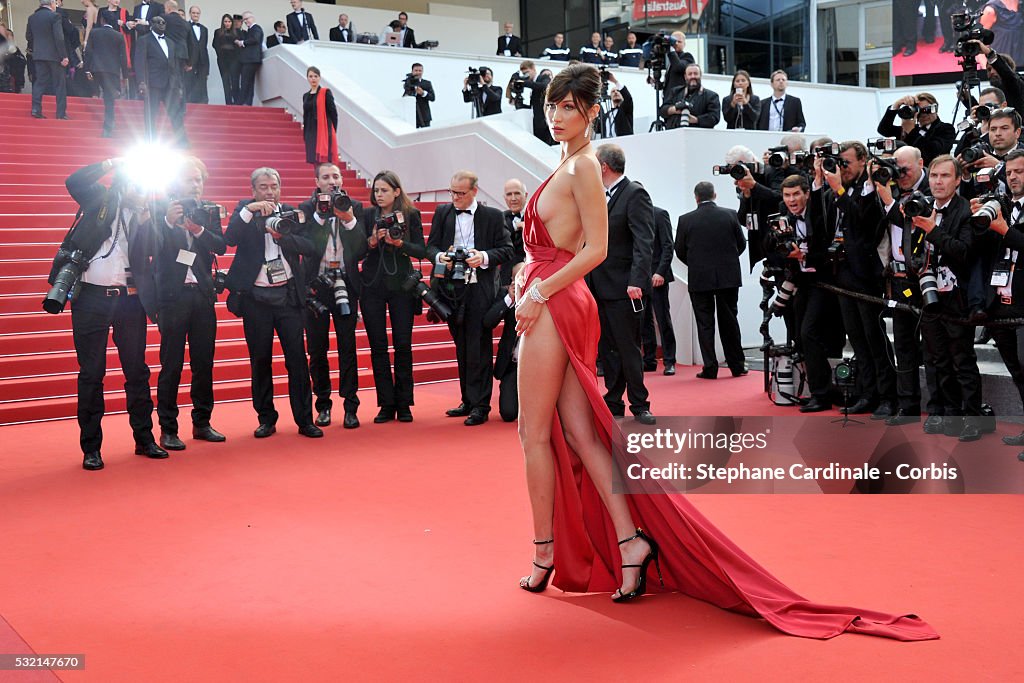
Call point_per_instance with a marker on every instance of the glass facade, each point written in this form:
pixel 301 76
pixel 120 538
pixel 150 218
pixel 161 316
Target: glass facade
pixel 542 19
pixel 764 35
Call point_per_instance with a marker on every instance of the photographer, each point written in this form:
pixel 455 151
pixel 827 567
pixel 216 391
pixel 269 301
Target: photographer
pixel 416 86
pixel 105 258
pixel 691 104
pixel 267 286
pixel 1003 137
pixel 1000 250
pixel 538 85
pixel 394 233
pixel 678 60
pixel 333 282
pixel 187 240
pixel 920 125
pixel 478 87
pixel 619 118
pixel 1002 74
pixel 846 191
pixel 505 360
pixel 467 243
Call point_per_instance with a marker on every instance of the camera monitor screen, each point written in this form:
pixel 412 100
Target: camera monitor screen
pixel 393 38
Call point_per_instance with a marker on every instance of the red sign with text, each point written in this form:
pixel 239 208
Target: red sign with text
pixel 667 8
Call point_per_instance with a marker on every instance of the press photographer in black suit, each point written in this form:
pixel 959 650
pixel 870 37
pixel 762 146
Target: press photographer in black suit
pixel 267 283
pixel 476 234
pixel 657 305
pixel 923 129
pixel 505 363
pixel 339 239
pixel 619 118
pixel 483 91
pixel 678 60
pixel 619 285
pixel 420 88
pixel 106 64
pixel 113 248
pixel 186 242
pixel 700 106
pixel 537 85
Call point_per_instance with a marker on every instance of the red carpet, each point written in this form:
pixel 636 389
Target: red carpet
pixel 392 552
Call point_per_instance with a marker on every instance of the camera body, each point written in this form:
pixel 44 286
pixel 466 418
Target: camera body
pixel 206 214
pixel 284 222
pixel 782 237
pixel 909 111
pixel 992 205
pixel 968 25
pixel 329 285
pixel 917 204
pixel 457 257
pixel 473 79
pixel 68 281
pixel 778 156
pixel 738 171
pixel 409 85
pixel 220 281
pixel 974 153
pixel 393 224
pixel 336 199
pixel 886 171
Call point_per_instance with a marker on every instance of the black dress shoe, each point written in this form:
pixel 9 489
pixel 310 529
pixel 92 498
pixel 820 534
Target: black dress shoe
pixel 404 414
pixel 884 410
pixel 649 367
pixel 861 407
pixel 910 51
pixel 816 406
pixel 324 417
pixel 741 373
pixel 171 442
pixel 670 369
pixel 1014 440
pixel 151 450
pixel 264 430
pixel 462 410
pixel 476 417
pixel 902 418
pixel 208 433
pixel 645 417
pixel 704 374
pixel 970 432
pixel 38 115
pixel 312 431
pixel 351 421
pixel 64 118
pixel 386 414
pixel 933 424
pixel 952 425
pixel 92 461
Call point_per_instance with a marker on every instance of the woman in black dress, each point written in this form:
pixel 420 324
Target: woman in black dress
pixel 741 107
pixel 319 121
pixel 227 58
pixel 386 272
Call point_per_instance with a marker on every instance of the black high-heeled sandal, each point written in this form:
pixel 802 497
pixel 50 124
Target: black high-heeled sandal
pixel 641 586
pixel 524 582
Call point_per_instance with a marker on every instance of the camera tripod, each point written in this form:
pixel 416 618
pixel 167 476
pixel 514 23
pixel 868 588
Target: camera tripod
pixel 846 419
pixel 475 100
pixel 654 74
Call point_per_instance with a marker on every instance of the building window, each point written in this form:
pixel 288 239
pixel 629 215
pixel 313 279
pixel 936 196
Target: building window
pixel 766 35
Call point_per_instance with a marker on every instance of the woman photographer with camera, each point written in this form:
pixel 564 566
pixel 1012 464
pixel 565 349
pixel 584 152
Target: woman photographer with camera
pixel 394 234
pixel 319 121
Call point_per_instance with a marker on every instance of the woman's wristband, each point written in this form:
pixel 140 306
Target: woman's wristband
pixel 536 296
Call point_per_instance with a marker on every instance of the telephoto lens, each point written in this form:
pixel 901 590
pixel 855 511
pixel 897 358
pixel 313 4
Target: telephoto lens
pixel 983 217
pixel 786 292
pixel 929 291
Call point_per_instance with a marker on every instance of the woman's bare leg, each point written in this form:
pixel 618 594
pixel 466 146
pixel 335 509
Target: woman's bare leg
pixel 577 417
pixel 542 364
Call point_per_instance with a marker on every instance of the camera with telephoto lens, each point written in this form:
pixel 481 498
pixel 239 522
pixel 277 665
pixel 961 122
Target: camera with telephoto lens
pixel 206 214
pixel 778 156
pixel 393 224
pixel 929 290
pixel 683 108
pixel 983 112
pixel 473 79
pixel 438 307
pixel 604 73
pixel 833 164
pixel 738 171
pixel 68 280
pixel 336 199
pixel 782 298
pixel 917 204
pixel 283 222
pixel 781 236
pixel 909 111
pixel 330 285
pixel 993 204
pixel 969 27
pixel 974 153
pixel 886 170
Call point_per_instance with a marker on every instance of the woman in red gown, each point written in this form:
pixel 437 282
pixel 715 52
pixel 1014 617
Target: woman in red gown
pixel 566 428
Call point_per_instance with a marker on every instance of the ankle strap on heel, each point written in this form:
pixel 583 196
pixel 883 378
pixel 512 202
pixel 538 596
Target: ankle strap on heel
pixel 550 540
pixel 639 534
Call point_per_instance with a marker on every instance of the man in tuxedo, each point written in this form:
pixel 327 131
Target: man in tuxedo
pixel 268 291
pixel 781 112
pixel 420 88
pixel 344 31
pixel 177 32
pixel 505 362
pixel 537 85
pixel 199 49
pixel 73 46
pixel 49 55
pixel 709 240
pixel 407 36
pixel 116 293
pixel 339 241
pixel 923 130
pixel 279 36
pixel 619 285
pixel 159 81
pixel 656 305
pixel 106 64
pixel 508 44
pixel 701 106
pixel 143 15
pixel 480 232
pixel 186 244
pixel 250 56
pixel 301 25
pixel 618 119
pixel 485 93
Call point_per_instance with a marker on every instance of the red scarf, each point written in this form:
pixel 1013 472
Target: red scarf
pixel 127 35
pixel 326 148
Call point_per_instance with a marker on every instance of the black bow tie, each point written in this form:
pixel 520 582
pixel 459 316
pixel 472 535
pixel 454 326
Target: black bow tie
pixel 517 215
pixel 794 218
pixel 160 37
pixel 1017 205
pixel 458 211
pixel 778 100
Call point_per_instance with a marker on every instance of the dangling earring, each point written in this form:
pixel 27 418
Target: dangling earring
pixel 586 133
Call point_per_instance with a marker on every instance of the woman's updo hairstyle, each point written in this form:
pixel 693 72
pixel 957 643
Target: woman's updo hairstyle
pixel 582 82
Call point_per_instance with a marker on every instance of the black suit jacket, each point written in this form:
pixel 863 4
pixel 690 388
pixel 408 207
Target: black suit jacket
pixel 492 103
pixel 353 246
pixel 251 249
pixel 45 36
pixel 252 52
pixel 630 244
pixel 489 235
pixel 953 237
pixel 105 53
pixel 709 240
pixel 661 255
pixel 623 121
pixel 387 266
pixel 990 248
pixel 152 67
pixel 938 139
pixel 169 273
pixel 423 116
pixel 274 40
pixel 199 49
pixel 95 227
pixel 178 31
pixel 676 74
pixel 705 106
pixel 337 36
pixel 515 46
pixel 792 113
pixel 155 10
pixel 296 31
pixel 518 247
pixel 410 38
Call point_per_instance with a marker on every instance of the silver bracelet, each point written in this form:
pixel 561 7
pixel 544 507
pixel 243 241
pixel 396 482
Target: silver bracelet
pixel 535 294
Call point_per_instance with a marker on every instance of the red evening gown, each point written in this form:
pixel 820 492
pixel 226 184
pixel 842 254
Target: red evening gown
pixel 697 559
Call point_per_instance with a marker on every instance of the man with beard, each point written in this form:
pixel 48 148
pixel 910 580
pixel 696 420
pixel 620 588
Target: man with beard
pixel 691 104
